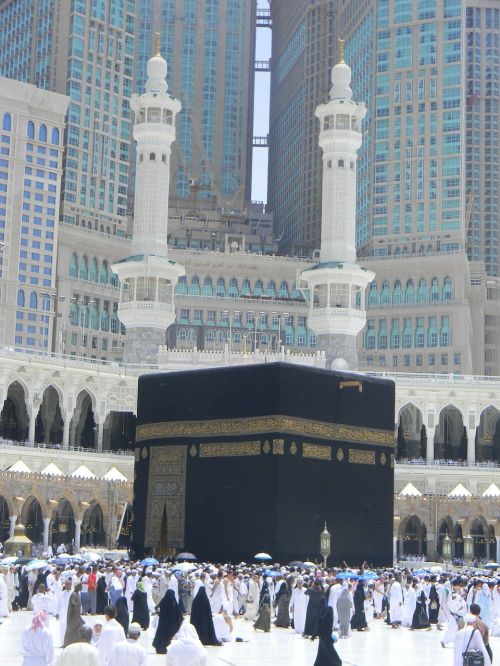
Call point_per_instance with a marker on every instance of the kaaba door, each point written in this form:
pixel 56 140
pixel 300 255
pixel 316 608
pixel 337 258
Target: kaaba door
pixel 163 545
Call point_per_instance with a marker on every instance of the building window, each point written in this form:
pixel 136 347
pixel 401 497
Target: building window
pixel 444 359
pixel 42 133
pixel 457 359
pixel 7 122
pixel 152 157
pixel 341 164
pixel 30 130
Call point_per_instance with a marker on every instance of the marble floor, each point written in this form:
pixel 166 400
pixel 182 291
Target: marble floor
pixel 381 646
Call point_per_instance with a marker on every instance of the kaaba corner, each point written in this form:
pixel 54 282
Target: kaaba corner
pixel 231 461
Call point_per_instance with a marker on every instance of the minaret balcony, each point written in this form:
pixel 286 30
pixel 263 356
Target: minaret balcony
pixel 330 320
pixel 156 314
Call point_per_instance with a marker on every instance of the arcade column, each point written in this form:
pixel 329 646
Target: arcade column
pixel 471 446
pixel 430 444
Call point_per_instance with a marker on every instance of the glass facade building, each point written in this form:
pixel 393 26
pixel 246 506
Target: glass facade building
pixel 84 49
pixel 209 46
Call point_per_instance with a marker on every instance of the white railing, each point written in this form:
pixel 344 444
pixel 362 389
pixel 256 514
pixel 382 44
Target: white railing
pixel 59 447
pixel 420 462
pixel 197 357
pixel 435 378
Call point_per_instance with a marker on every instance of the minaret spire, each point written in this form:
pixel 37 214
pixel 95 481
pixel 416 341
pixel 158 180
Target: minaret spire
pixel 148 278
pixel 337 284
pixel 157 47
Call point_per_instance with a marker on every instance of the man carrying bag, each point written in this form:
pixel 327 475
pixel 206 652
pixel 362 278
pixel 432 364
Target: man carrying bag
pixel 469 646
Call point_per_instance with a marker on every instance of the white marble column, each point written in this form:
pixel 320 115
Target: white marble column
pixel 100 434
pixel 471 446
pixel 498 548
pixel 32 424
pixel 46 523
pixel 13 521
pixel 66 432
pixel 78 529
pixel 395 548
pixel 430 444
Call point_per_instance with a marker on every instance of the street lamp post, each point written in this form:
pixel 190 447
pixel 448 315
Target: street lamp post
pixel 446 549
pixel 325 544
pixel 468 548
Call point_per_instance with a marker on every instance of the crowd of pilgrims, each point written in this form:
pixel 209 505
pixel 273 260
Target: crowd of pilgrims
pixel 192 606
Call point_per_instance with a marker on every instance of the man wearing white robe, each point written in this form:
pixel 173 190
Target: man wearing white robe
pixel 10 581
pixel 378 596
pixel 409 605
pixel 111 634
pixel 298 606
pixel 42 600
pixel 201 582
pixel 173 584
pixel 396 603
pixel 4 597
pixel 81 653
pixel 37 647
pixel 131 586
pixel 62 609
pixel 128 652
pixel 469 639
pixel 147 584
pixel 333 596
pixel 458 609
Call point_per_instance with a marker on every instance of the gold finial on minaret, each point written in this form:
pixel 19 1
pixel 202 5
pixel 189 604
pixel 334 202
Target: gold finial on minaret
pixel 157 44
pixel 341 52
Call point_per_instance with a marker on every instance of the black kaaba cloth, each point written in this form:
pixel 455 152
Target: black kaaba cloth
pixel 233 461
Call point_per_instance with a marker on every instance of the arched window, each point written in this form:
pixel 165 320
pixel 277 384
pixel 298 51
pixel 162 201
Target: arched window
pixel 409 293
pixel 370 335
pixel 382 334
pixel 373 294
pixel 385 295
pixel 33 300
pixel 115 323
pixel 284 289
pixel 94 273
pixel 94 318
pixel 152 157
pixel 73 314
pixel 7 122
pixel 55 136
pixel 341 164
pixel 20 298
pixel 434 293
pixel 397 294
pixel 113 280
pixel 42 133
pixel 73 266
pixel 445 333
pixel 104 320
pixel 207 286
pixel 103 273
pixel 258 288
pixel 30 130
pixel 271 289
pixel 195 286
pixel 420 333
pixel 210 335
pixel 221 287
pixel 84 269
pixel 422 291
pixel 233 288
pixel 245 288
pixel 447 291
pixel 407 333
pixel 432 333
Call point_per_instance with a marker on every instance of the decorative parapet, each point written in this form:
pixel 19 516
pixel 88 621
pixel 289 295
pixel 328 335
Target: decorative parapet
pixel 211 358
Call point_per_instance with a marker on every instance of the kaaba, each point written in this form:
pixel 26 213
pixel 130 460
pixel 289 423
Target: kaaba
pixel 233 461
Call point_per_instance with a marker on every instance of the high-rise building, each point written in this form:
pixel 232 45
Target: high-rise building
pixel 83 49
pixel 302 60
pixel 32 123
pixel 210 50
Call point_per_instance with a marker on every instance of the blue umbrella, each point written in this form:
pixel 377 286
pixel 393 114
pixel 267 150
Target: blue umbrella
pixel 365 578
pixel 272 573
pixel 345 575
pixel 149 561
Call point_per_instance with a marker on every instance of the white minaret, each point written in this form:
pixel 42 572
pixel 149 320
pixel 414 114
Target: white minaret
pixel 148 278
pixel 337 284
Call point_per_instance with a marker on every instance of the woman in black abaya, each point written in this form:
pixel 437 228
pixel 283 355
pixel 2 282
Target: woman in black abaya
pixel 358 620
pixel 141 610
pixel 122 614
pixel 282 602
pixel 201 618
pixel 420 618
pixel 169 622
pixel 327 655
pixel 315 608
pixel 263 622
pixel 102 596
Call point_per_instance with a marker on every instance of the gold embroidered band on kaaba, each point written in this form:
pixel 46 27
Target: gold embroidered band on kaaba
pixel 265 424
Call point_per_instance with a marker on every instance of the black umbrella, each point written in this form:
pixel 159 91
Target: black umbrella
pixel 296 563
pixel 186 556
